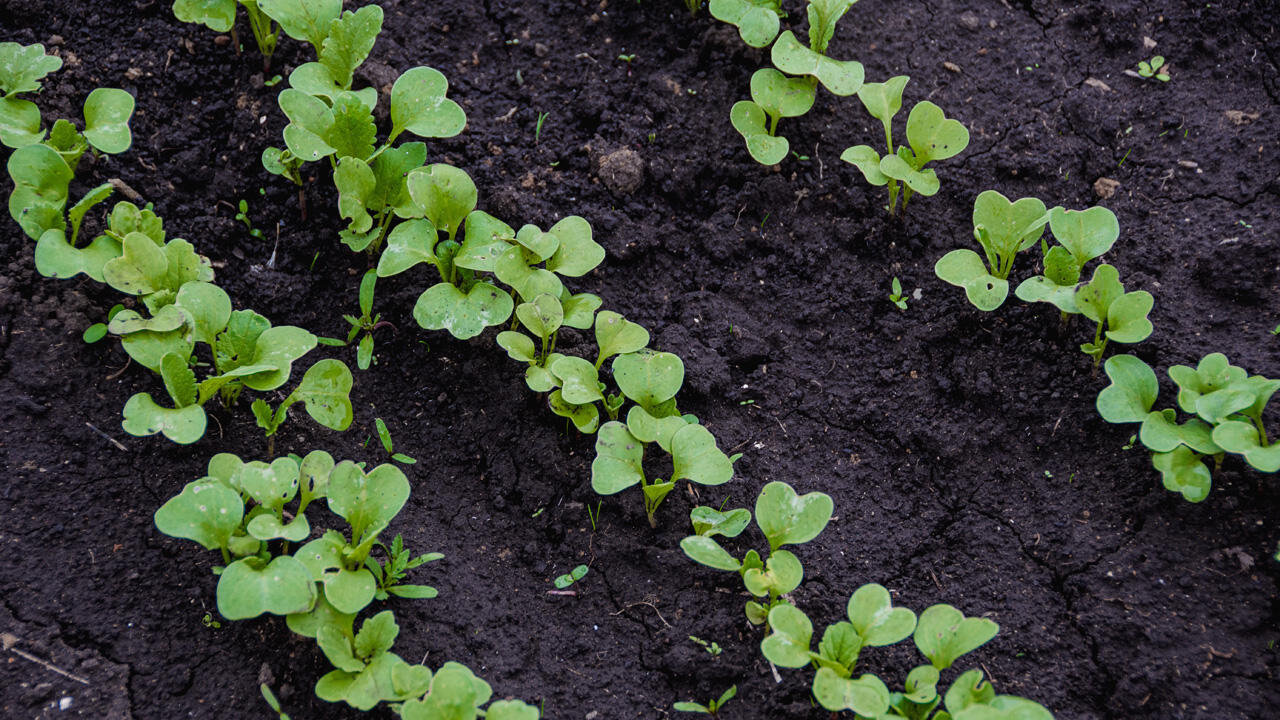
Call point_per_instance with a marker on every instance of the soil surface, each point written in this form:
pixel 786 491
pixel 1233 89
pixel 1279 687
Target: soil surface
pixel 963 450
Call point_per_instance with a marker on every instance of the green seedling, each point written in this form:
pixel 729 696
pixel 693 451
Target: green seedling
pixel 397 563
pixel 941 633
pixel 272 702
pixel 1082 235
pixel 694 6
pixel 712 708
pixel 220 16
pixel 563 582
pixel 1154 68
pixel 1003 229
pixel 21 70
pixel 756 20
pixel 366 672
pixel 242 215
pixel 537 129
pixel 97 331
pixel 1120 316
pixel 784 518
pixel 840 77
pixel 709 522
pixel 594 515
pixel 367 323
pixel 930 136
pixel 773 96
pixel 713 649
pixel 325 392
pixel 209 622
pixel 385 436
pixel 1226 405
pixel 895 295
pixel 455 692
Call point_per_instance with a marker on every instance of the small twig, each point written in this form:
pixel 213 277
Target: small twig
pixel 570 593
pixel 107 437
pixel 10 640
pixel 123 188
pixel 990 678
pixel 776 677
pixel 120 372
pixel 628 606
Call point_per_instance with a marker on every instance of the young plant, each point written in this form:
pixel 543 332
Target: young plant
pixel 756 20
pixel 773 96
pixel 565 581
pixel 840 77
pixel 397 563
pixel 272 702
pixel 1226 405
pixel 713 707
pixel 1003 229
pixel 455 692
pixel 367 323
pixel 895 295
pixel 384 435
pixel 930 136
pixel 1082 235
pixel 942 634
pixel 785 518
pixel 1120 316
pixel 1155 68
pixel 713 648
pixel 242 215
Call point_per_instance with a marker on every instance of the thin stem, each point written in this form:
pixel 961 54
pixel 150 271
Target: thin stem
pixel 773 125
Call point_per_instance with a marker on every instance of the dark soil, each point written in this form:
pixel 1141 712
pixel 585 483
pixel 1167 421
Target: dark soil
pixel 966 459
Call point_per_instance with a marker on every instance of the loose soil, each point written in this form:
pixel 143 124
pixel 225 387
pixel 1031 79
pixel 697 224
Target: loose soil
pixel 966 459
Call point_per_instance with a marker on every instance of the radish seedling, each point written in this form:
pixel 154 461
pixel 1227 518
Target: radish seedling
pixel 785 518
pixel 1226 405
pixel 1123 315
pixel 1003 229
pixel 455 692
pixel 566 580
pixel 220 16
pixel 930 136
pixel 1155 68
pixel 1083 235
pixel 895 294
pixel 756 20
pixel 773 96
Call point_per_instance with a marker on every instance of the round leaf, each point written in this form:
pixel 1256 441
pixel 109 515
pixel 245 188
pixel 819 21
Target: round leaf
pixel 871 611
pixel 932 135
pixel 419 105
pixel 444 307
pixel 248 588
pixel 790 519
pixel 788 644
pixel 695 456
pixel 648 377
pixel 106 120
pixel 619 460
pixel 143 417
pixel 207 512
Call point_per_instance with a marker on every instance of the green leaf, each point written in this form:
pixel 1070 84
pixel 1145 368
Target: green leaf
pixel 143 417
pixel 706 551
pixel 217 15
pixel 127 218
pixel 349 41
pixel 577 253
pixel 519 346
pixel 585 416
pixel 943 634
pixel 840 77
pixel 757 20
pixel 445 195
pixel 141 269
pixel 148 348
pixel 695 456
pixel 249 587
pixel 40 179
pixel 77 212
pixel 455 694
pixel 964 268
pixel 413 592
pixel 353 133
pixel 1132 391
pixel 310 123
pixel 336 647
pixel 512 710
pixel 619 460
pixel 410 243
pixel 883 100
pixel 1095 298
pixel 781 574
pixel 1214 372
pixel 307 20
pixel 377 634
pixel 270 485
pixel 823 16
pixel 1161 433
pixel 22 67
pixel 792 633
pixel 579 382
pixel 867 161
pixel 543 317
pixel 867 695
pixel 1243 438
pixel 387 678
pixel 179 379
pixel 269 527
pixel 444 307
pixel 580 309
pixel 1005 707
pixel 922 684
pixel 709 522
pixel 19 122
pixel 839 648
pixel 419 105
pixel 1127 317
pixel 648 377
pixel 56 258
pixel 615 335
pixel 326 390
pixel 646 428
pixel 106 120
pixel 750 121
pixel 781 96
pixel 1183 471
pixel 1058 285
pixel 208 307
pixel 790 519
pixel 924 182
pixel 127 322
pixel 487 238
pixel 1008 227
pixel 876 621
pixel 1086 234
pixel 206 511
pixel 369 501
pixel 932 135
pixel 278 347
pixel 350 591
pixel 540 244
pixel 356 183
pixel 967 691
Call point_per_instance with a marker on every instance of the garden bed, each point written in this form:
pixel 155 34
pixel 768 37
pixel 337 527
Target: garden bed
pixel 963 450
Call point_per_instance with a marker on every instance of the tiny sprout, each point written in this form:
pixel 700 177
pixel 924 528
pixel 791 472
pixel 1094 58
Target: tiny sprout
pixel 594 516
pixel 537 129
pixel 1129 445
pixel 1276 331
pixel 712 708
pixel 270 697
pixel 627 58
pixel 209 622
pixel 896 296
pixel 712 648
pixel 564 581
pixel 274 81
pixel 1155 68
pixel 242 215
pixel 384 435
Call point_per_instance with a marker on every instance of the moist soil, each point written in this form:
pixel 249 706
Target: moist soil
pixel 966 459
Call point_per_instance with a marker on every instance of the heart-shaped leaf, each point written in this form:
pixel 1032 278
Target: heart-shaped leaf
pixel 270 485
pixel 781 96
pixel 1095 298
pixel 579 382
pixel 1183 471
pixel 876 621
pixel 56 258
pixel 206 511
pixel 419 105
pixel 647 428
pixel 790 519
pixel 943 634
pixel 964 268
pixel 106 120
pixel 487 238
pixel 387 678
pixel 932 135
pixel 695 456
pixel 1162 433
pixel 750 121
pixel 1086 234
pixel 585 416
pixel 143 417
pixel 615 335
pixel 781 574
pixel 250 587
pixel 788 643
pixel 1132 391
pixel 1213 373
pixel 445 194
pixel 1243 438
pixel 709 522
pixel 369 501
pixel 867 695
pixel 648 377
pixel 840 77
pixel 924 182
pixel 1010 226
pixel 1127 317
pixel 326 391
pixel 207 306
pixel 542 316
pixel 410 243
pixel 576 254
pixel 349 591
pixel 444 307
pixel 757 20
pixel 519 346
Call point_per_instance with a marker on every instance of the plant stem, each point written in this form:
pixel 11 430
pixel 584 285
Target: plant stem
pixel 773 125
